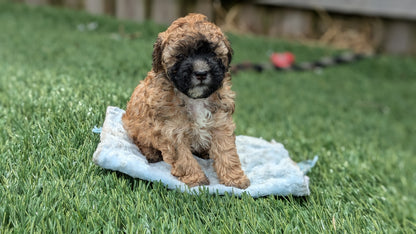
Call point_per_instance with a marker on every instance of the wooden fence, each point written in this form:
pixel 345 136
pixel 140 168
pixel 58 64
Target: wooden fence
pixel 361 25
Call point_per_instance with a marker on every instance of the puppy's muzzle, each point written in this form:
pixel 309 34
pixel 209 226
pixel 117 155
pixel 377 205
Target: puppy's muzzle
pixel 200 69
pixel 201 75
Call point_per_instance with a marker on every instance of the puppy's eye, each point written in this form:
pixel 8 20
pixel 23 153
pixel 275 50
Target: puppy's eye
pixel 180 56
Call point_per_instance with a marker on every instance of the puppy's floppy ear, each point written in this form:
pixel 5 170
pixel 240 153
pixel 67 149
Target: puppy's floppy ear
pixel 230 51
pixel 157 55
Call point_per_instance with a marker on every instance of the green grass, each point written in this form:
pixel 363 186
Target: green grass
pixel 56 82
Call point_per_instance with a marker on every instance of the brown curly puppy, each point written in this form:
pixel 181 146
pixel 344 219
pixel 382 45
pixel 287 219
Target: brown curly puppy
pixel 185 104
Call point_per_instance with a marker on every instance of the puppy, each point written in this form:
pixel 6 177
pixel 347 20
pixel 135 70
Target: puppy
pixel 185 104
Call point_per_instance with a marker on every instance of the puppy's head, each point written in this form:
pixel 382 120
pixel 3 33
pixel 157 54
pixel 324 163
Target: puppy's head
pixel 194 54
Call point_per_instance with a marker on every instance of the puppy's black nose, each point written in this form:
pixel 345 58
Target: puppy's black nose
pixel 201 75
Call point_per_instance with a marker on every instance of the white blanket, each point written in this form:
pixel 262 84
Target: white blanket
pixel 266 164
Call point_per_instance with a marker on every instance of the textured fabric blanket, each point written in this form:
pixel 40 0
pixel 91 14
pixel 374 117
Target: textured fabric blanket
pixel 266 164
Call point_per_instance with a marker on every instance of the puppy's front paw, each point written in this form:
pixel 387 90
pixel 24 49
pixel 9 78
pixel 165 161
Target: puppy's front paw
pixel 243 182
pixel 195 180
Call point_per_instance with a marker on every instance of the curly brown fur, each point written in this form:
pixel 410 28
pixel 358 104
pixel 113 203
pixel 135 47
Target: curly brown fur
pixel 185 104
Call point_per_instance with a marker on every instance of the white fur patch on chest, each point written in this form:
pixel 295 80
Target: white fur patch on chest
pixel 202 121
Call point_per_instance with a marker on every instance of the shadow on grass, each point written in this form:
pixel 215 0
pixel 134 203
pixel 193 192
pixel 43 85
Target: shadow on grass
pixel 160 189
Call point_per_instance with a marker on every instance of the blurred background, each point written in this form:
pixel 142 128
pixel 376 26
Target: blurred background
pixel 359 25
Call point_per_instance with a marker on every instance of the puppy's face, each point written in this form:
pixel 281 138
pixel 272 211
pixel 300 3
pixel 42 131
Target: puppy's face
pixel 197 70
pixel 195 56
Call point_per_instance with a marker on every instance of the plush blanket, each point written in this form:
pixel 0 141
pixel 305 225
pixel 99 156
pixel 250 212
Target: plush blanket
pixel 266 164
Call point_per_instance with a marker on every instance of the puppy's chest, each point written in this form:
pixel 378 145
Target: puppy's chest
pixel 201 122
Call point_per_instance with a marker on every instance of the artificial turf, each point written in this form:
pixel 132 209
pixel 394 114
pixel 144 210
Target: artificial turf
pixel 58 75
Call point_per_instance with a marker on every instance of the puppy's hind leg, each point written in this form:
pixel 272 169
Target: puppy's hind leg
pixel 152 155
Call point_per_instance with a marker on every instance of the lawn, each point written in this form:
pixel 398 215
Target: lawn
pixel 58 74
